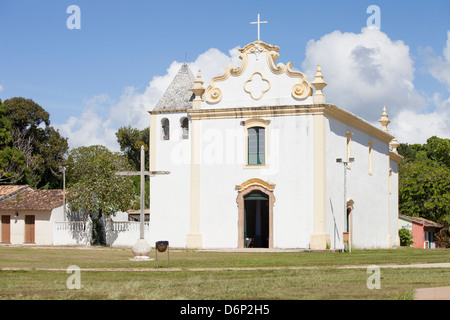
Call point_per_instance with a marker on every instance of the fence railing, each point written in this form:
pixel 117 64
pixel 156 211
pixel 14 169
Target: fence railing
pixel 127 226
pixel 121 233
pixel 70 226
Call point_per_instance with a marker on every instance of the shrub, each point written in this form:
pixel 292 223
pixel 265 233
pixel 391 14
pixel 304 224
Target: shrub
pixel 406 238
pixel 442 240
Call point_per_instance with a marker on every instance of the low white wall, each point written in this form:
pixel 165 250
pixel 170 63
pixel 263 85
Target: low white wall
pixel 118 234
pixel 125 234
pixel 72 233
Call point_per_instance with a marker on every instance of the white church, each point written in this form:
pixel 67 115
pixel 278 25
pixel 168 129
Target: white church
pixel 258 159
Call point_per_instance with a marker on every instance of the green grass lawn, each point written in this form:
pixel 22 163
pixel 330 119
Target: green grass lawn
pixel 322 283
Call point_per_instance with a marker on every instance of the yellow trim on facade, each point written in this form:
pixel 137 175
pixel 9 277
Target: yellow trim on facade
pixel 348 151
pixel 262 92
pixel 357 123
pixel 320 239
pixel 252 112
pixel 370 144
pixel 256 122
pixel 300 90
pixel 152 149
pixel 328 110
pixel 194 238
pixel 254 181
pixel 395 156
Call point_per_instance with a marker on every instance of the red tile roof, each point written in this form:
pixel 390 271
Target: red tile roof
pixel 26 198
pixel 422 221
pixel 9 190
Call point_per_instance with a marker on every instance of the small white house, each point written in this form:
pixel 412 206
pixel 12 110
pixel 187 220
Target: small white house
pixel 37 217
pixel 253 157
pixel 27 215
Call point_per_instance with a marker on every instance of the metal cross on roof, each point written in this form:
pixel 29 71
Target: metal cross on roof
pixel 258 23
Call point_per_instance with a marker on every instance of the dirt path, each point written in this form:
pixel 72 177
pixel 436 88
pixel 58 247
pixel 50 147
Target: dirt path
pixel 154 269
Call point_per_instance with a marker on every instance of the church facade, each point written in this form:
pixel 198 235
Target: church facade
pixel 257 158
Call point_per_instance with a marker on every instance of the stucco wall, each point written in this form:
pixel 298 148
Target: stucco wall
pixel 393 198
pixel 279 87
pixel 369 191
pixel 290 167
pixel 290 150
pixel 290 160
pixel 417 233
pixel 43 226
pixel 169 194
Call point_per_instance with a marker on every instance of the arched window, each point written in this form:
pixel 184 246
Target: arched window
pixel 184 128
pixel 256 145
pixel 165 129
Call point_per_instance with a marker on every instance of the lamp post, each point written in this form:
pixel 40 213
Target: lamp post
pixel 345 163
pixel 63 169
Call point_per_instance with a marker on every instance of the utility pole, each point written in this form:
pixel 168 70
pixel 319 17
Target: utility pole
pixel 346 223
pixel 63 169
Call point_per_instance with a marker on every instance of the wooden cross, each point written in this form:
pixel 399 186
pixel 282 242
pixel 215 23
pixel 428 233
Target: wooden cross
pixel 258 23
pixel 142 173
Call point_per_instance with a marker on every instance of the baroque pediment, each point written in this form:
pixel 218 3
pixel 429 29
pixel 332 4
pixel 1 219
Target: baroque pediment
pixel 258 81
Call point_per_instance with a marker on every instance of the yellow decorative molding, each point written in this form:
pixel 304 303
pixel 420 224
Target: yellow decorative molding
pixel 253 112
pixel 357 123
pixel 320 239
pixel 319 84
pixel 198 91
pixel 152 149
pixel 214 94
pixel 254 181
pixel 255 122
pixel 260 46
pixel 301 90
pixel 395 156
pixel 262 91
pixel 329 110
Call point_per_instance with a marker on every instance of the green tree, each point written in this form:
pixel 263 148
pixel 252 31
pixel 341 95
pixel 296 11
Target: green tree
pixel 424 184
pixel 406 237
pixel 12 161
pixel 42 145
pixel 130 141
pixel 438 150
pixel 93 186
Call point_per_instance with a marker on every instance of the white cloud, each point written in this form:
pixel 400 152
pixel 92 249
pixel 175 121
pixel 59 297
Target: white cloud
pixel 213 62
pixel 439 67
pixel 90 128
pixel 367 71
pixel 1 88
pixel 102 117
pixel 411 127
pixel 364 72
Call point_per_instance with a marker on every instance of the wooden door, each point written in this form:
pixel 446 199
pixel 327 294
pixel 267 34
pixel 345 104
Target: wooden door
pixel 29 229
pixel 6 229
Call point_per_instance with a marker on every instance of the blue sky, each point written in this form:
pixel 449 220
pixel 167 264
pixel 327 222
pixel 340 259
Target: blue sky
pixel 126 53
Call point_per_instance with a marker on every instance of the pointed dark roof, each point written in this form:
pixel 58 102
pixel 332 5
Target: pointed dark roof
pixel 178 95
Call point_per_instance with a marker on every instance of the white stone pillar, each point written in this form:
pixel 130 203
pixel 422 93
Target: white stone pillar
pixel 194 238
pixel 320 238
